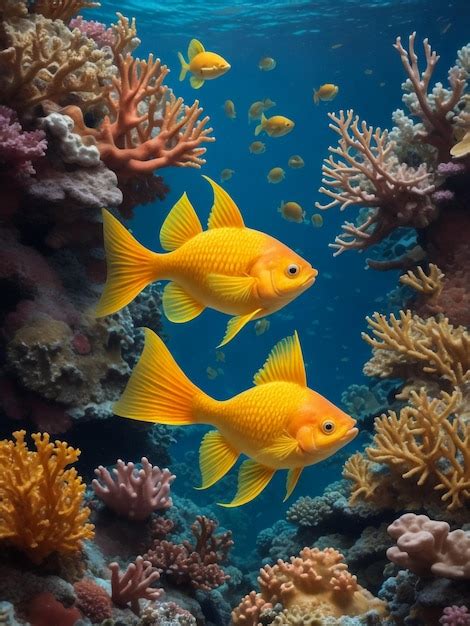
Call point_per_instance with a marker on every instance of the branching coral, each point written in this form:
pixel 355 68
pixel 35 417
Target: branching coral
pixel 61 9
pixel 134 493
pixel 41 502
pixel 427 547
pixel 429 285
pixel 134 584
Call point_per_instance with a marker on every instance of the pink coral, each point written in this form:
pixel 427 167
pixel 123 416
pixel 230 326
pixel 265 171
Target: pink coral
pixel 93 601
pixel 134 584
pixel 92 29
pixel 18 148
pixel 426 547
pixel 455 616
pixel 133 493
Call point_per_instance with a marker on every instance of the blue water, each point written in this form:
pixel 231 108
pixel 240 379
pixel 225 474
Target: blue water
pixel 299 35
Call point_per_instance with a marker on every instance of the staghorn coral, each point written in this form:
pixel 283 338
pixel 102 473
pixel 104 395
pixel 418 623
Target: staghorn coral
pixel 41 502
pixel 44 60
pixel 134 493
pixel 134 584
pixel 429 285
pixel 427 547
pixel 61 9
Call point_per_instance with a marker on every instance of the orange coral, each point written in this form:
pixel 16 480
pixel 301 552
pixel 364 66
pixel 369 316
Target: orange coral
pixel 61 9
pixel 41 502
pixel 429 285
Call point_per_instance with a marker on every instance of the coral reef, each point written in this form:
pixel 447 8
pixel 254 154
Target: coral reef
pixel 41 502
pixel 134 584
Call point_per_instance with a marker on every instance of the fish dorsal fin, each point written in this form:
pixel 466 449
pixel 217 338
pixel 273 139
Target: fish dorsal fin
pixel 181 225
pixel 284 363
pixel 224 212
pixel 195 47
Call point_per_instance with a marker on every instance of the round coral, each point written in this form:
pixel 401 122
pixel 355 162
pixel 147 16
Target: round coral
pixel 93 600
pixel 45 610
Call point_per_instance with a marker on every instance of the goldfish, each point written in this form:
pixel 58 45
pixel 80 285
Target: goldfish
pixel 229 267
pixel 226 174
pixel 279 423
pixel 261 326
pixel 229 109
pixel 276 175
pixel 295 162
pixel 292 212
pixel 257 147
pixel 203 65
pixel 325 92
pixel 255 110
pixel 275 126
pixel 266 64
pixel 317 220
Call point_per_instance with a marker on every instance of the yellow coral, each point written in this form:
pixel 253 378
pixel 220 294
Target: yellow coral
pixel 61 9
pixel 41 502
pixel 429 285
pixel 365 483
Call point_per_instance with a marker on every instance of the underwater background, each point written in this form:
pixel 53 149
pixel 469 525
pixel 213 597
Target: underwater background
pixel 61 370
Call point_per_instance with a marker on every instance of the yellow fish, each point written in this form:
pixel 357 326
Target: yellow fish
pixel 295 162
pixel 292 212
pixel 325 92
pixel 279 423
pixel 226 174
pixel 257 147
pixel 261 326
pixel 266 64
pixel 317 220
pixel 229 267
pixel 276 175
pixel 202 65
pixel 275 126
pixel 229 109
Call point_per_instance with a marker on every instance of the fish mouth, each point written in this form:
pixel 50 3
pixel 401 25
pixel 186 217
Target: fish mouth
pixel 310 279
pixel 349 435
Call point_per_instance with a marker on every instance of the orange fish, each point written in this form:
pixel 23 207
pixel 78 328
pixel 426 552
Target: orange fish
pixel 279 423
pixel 229 267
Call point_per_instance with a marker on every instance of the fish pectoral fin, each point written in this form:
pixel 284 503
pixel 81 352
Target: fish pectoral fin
pixel 181 225
pixel 224 212
pixel 282 447
pixel 196 83
pixel 179 306
pixel 252 479
pixel 284 363
pixel 235 325
pixel 293 476
pixel 195 47
pixel 216 458
pixel 240 288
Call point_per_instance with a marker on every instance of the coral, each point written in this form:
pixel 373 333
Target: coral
pixel 18 148
pixel 367 173
pixel 45 610
pixel 61 9
pixel 429 285
pixel 426 547
pixel 195 565
pixel 41 502
pixel 44 60
pixel 12 8
pixel 249 611
pixel 166 614
pixel 97 31
pixel 455 616
pixel 70 146
pixel 92 600
pixel 134 584
pixel 134 493
pixel 18 586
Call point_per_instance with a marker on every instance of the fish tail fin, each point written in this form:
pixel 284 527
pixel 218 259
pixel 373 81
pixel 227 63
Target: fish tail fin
pixel 261 125
pixel 158 391
pixel 184 66
pixel 316 97
pixel 131 267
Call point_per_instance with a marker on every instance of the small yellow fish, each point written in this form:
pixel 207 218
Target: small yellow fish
pixel 261 326
pixel 257 147
pixel 295 162
pixel 226 174
pixel 229 109
pixel 257 108
pixel 211 373
pixel 292 212
pixel 266 64
pixel 229 267
pixel 268 104
pixel 276 175
pixel 325 92
pixel 280 423
pixel 202 65
pixel 219 356
pixel 317 220
pixel 275 126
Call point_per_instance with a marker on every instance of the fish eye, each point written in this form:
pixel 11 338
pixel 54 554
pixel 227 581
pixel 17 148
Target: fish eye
pixel 328 427
pixel 292 270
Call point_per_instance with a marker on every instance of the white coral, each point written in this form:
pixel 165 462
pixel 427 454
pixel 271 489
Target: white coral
pixel 70 145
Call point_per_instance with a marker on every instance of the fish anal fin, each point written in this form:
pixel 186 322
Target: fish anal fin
pixel 196 83
pixel 282 447
pixel 240 288
pixel 235 325
pixel 181 225
pixel 252 479
pixel 195 47
pixel 293 476
pixel 178 305
pixel 224 212
pixel 216 458
pixel 284 363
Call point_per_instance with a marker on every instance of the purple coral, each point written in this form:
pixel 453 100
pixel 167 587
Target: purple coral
pixel 92 29
pixel 455 616
pixel 134 493
pixel 18 148
pixel 450 169
pixel 135 584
